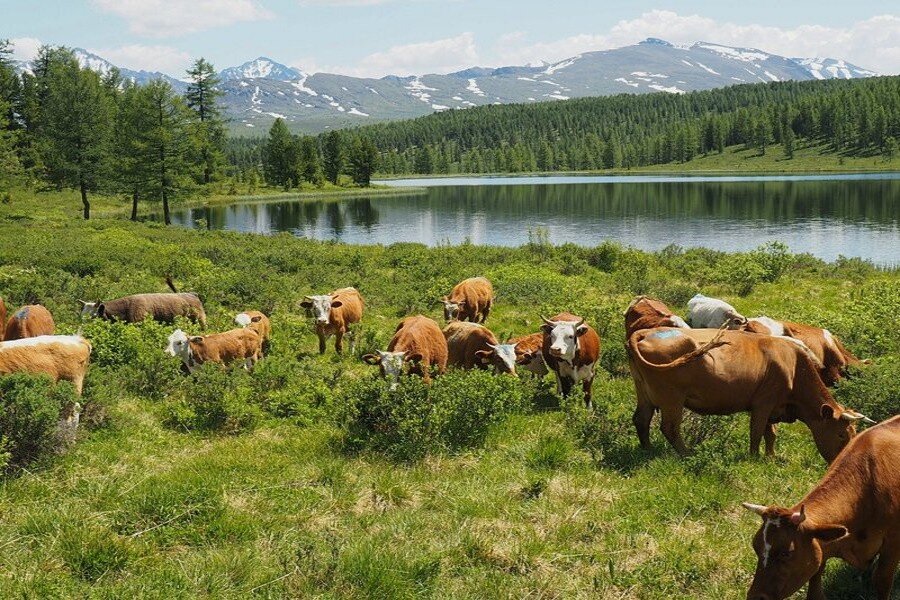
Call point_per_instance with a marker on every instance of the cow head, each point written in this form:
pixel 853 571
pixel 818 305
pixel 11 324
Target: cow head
pixel 563 336
pixel 321 307
pixel 391 363
pixel 789 552
pixel 180 345
pixel 834 429
pixel 452 308
pixel 92 309
pixel 502 356
pixel 735 320
pixel 245 320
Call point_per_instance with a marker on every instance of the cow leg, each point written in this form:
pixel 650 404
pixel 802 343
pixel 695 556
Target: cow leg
pixel 565 385
pixel 883 577
pixel 485 312
pixel 671 427
pixel 426 372
pixel 759 421
pixel 321 343
pixel 586 386
pixel 642 417
pixel 769 436
pixel 339 342
pixel 78 381
pixel 815 590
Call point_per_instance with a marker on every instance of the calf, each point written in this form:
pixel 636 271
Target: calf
pixel 725 372
pixel 852 514
pixel 29 321
pixel 647 313
pixel 419 343
pixel 334 314
pixel 163 308
pixel 470 300
pixel 528 353
pixel 828 349
pixel 571 349
pixel 2 320
pixel 62 357
pixel 704 312
pixel 471 345
pixel 258 322
pixel 224 348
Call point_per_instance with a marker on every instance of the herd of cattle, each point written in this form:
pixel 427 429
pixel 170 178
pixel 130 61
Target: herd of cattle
pixel 714 362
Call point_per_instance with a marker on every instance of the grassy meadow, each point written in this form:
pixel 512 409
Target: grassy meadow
pixel 307 478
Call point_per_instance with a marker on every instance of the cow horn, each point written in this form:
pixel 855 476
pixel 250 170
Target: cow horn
pixel 579 323
pixel 755 508
pixel 853 416
pixel 547 321
pixel 492 346
pixel 799 517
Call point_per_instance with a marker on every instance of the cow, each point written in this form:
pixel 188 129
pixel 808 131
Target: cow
pixel 470 300
pixel 334 314
pixel 722 372
pixel 29 321
pixel 835 358
pixel 852 514
pixel 705 312
pixel 571 349
pixel 419 343
pixel 162 307
pixel 470 345
pixel 528 353
pixel 62 357
pixel 258 322
pixel 2 319
pixel 646 313
pixel 224 348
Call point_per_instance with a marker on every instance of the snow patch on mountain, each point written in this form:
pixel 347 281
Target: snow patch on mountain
pixel 561 65
pixel 742 54
pixel 473 87
pixel 261 68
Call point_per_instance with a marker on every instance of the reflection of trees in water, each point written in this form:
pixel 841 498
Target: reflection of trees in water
pixel 362 213
pixel 334 217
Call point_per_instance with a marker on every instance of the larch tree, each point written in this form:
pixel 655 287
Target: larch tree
pixel 333 156
pixel 208 126
pixel 363 160
pixel 167 144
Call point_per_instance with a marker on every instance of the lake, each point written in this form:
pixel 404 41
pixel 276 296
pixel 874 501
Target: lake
pixel 826 215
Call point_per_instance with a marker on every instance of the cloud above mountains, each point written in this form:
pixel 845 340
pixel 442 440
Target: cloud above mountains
pixel 172 18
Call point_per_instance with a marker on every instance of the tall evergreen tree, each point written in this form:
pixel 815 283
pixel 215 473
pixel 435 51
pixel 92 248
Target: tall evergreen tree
pixel 363 161
pixel 167 144
pixel 133 152
pixel 280 156
pixel 333 156
pixel 202 97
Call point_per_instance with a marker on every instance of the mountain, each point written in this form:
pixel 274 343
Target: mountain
pixel 103 66
pixel 261 90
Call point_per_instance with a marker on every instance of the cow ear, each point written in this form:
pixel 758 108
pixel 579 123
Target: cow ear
pixel 372 359
pixel 256 319
pixel 101 309
pixel 196 339
pixel 525 358
pixel 826 533
pixel 336 304
pixel 828 412
pixel 306 304
pixel 484 356
pixel 581 330
pixel 414 357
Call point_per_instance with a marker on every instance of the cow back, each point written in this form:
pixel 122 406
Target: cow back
pixel 29 321
pixel 475 290
pixel 351 309
pixel 464 339
pixel 59 356
pixel 162 307
pixel 226 347
pixel 646 313
pixel 421 335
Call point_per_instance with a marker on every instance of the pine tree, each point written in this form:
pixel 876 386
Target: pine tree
pixel 363 160
pixel 167 145
pixel 310 166
pixel 280 156
pixel 788 141
pixel 133 153
pixel 202 97
pixel 333 156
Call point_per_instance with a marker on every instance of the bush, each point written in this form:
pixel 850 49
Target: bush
pixel 30 408
pixel 213 399
pixel 455 412
pixel 873 390
pixel 606 432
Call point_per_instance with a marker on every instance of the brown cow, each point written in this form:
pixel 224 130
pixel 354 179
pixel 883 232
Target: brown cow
pixel 237 344
pixel 417 341
pixel 29 321
pixel 470 300
pixel 719 372
pixel 647 313
pixel 835 358
pixel 162 307
pixel 258 322
pixel 852 514
pixel 571 349
pixel 471 345
pixel 528 352
pixel 334 314
pixel 62 357
pixel 2 319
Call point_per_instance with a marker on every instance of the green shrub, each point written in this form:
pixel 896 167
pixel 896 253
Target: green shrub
pixel 213 398
pixel 606 432
pixel 30 407
pixel 873 390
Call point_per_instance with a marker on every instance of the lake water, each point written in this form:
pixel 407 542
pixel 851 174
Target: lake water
pixel 827 216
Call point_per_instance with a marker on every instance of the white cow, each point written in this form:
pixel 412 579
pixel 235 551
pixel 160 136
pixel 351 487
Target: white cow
pixel 712 313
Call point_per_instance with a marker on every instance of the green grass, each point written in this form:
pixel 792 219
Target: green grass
pixel 553 503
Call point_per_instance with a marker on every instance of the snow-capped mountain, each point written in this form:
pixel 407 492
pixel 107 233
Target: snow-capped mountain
pixel 103 66
pixel 261 90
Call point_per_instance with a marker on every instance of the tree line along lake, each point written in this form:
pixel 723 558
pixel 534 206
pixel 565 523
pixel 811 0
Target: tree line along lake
pixel 852 215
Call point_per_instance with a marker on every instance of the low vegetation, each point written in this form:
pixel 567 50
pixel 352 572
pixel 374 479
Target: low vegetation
pixel 307 477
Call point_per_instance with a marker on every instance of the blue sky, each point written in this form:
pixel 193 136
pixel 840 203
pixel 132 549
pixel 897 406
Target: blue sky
pixel 378 37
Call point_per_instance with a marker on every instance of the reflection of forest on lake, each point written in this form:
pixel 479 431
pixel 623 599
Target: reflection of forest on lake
pixel 826 218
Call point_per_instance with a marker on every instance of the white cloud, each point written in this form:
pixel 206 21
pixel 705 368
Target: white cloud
pixel 335 3
pixel 873 43
pixel 147 58
pixel 438 56
pixel 25 48
pixel 166 18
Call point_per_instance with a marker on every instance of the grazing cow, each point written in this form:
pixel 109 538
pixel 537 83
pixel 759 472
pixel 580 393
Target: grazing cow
pixel 417 342
pixel 224 348
pixel 648 313
pixel 704 312
pixel 29 321
pixel 835 358
pixel 334 314
pixel 852 514
pixel 725 372
pixel 470 345
pixel 470 300
pixel 62 357
pixel 258 322
pixel 528 353
pixel 2 319
pixel 159 307
pixel 571 349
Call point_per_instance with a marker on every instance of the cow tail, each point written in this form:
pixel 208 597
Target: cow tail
pixel 848 356
pixel 171 284
pixel 715 342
